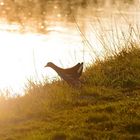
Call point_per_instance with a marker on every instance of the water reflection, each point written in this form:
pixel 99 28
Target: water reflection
pixel 23 56
pixel 23 53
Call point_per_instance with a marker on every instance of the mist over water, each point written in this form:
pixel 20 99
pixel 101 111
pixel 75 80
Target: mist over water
pixel 35 32
pixel 38 15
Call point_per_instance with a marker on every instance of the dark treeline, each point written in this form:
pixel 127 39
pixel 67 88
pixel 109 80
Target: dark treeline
pixel 40 12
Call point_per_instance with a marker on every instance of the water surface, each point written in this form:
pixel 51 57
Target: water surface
pixel 23 54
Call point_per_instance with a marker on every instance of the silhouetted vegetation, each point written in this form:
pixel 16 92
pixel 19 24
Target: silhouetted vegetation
pixel 106 106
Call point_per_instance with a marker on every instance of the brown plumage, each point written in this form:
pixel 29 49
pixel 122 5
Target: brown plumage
pixel 70 75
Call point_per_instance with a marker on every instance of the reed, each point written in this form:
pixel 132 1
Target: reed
pixel 105 107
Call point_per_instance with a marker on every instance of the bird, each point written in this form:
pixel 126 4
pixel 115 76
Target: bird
pixel 70 75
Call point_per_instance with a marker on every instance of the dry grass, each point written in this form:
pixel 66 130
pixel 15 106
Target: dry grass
pixel 105 107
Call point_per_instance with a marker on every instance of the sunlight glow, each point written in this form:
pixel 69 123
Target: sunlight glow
pixel 55 7
pixel 23 56
pixel 1 3
pixel 58 15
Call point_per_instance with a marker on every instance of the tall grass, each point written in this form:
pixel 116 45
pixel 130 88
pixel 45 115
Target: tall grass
pixel 106 106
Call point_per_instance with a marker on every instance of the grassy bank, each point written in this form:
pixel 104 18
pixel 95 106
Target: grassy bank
pixel 106 107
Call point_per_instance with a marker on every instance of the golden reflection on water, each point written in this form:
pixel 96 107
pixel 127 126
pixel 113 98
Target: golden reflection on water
pixel 23 55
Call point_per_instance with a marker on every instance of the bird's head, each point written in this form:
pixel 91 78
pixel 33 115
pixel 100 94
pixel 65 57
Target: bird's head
pixel 49 64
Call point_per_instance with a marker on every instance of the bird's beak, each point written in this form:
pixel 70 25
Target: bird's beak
pixel 46 65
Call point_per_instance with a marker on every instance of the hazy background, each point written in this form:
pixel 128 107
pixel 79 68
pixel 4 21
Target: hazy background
pixel 65 32
pixel 39 14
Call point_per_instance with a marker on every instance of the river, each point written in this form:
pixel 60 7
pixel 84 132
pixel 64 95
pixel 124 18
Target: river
pixel 23 55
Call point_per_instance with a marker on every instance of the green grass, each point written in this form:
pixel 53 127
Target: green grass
pixel 106 107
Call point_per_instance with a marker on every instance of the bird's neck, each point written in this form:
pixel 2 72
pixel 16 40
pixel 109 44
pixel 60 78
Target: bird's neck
pixel 56 68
